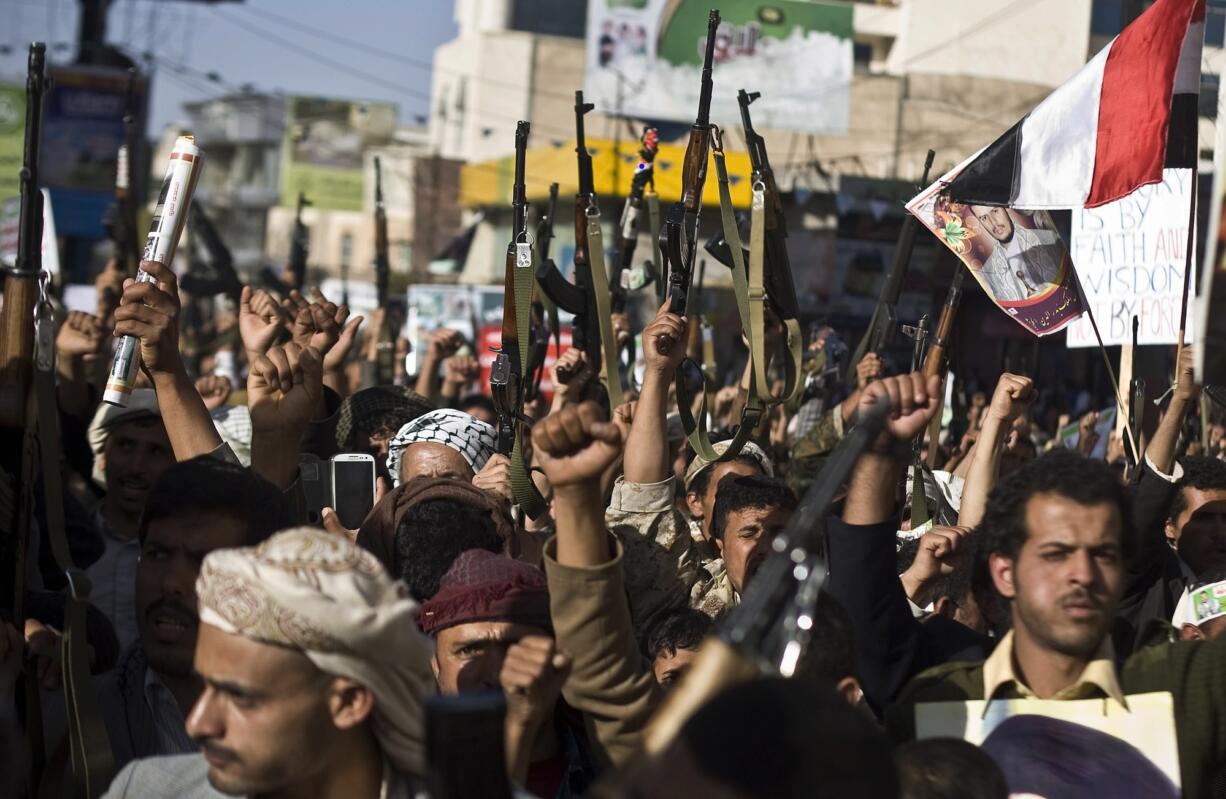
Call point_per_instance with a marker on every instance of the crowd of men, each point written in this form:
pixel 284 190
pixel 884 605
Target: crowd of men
pixel 236 649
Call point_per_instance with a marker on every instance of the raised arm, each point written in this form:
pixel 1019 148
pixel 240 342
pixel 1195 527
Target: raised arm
pixel 443 344
pixel 284 391
pixel 647 458
pixel 1163 446
pixel 1012 397
pixel 150 311
pixel 610 682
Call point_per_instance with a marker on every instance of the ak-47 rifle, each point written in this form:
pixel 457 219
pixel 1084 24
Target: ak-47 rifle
pixel 544 312
pixel 509 375
pixel 505 374
pixel 123 233
pixel 223 280
pixel 938 352
pixel 21 282
pixel 679 240
pixel 622 279
pixel 385 346
pixel 778 273
pixel 578 298
pixel 299 245
pixel 885 316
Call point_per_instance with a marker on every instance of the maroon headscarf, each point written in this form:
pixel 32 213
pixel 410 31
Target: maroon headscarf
pixel 482 586
pixel 377 534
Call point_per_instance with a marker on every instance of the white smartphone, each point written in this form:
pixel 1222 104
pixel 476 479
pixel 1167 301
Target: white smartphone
pixel 353 487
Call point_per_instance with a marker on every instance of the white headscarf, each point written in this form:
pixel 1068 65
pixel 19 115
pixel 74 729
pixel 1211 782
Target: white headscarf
pixel 467 435
pixel 330 599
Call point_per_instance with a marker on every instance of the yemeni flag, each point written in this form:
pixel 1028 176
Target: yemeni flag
pixel 1130 112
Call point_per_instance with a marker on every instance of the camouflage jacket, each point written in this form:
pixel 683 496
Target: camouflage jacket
pixel 660 562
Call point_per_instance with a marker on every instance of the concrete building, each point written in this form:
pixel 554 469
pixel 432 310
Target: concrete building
pixel 241 135
pixel 940 74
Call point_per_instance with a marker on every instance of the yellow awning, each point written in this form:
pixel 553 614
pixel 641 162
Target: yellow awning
pixel 489 183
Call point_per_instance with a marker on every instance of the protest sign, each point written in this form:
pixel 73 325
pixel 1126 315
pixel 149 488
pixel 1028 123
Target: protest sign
pixel 1130 257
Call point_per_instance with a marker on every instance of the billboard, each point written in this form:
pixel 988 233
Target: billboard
pixel 644 57
pixel 1130 257
pixel 325 140
pixel 82 130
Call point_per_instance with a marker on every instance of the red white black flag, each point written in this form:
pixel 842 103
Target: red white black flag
pixel 1124 117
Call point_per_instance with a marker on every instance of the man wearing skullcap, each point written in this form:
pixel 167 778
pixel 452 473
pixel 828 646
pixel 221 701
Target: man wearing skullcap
pixel 492 630
pixel 442 443
pixel 131 450
pixel 315 675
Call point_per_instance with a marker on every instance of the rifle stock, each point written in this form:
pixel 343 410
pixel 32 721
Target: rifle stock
pixel 21 283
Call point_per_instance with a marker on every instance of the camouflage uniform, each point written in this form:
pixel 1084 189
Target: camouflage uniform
pixel 809 453
pixel 660 561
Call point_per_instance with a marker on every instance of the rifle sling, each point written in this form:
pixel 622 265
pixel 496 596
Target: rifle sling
pixel 604 307
pixel 93 765
pixel 526 495
pixel 751 414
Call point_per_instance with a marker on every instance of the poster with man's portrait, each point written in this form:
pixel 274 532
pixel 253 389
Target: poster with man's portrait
pixel 1017 256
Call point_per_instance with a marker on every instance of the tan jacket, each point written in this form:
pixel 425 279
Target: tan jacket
pixel 610 681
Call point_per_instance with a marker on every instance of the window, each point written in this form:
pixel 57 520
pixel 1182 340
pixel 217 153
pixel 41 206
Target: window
pixel 1210 85
pixel 1215 23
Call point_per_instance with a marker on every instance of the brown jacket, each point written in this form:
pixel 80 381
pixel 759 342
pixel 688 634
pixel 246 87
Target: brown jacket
pixel 610 682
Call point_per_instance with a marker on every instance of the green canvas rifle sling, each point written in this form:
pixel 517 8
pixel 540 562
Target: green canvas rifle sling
pixel 604 307
pixel 751 415
pixel 524 490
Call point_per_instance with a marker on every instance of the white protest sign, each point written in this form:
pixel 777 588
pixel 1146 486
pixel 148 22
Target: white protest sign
pixel 1130 257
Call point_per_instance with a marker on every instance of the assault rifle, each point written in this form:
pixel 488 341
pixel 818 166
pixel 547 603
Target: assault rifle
pixel 678 241
pixel 544 312
pixel 509 375
pixel 777 278
pixel 218 277
pixel 505 374
pixel 578 298
pixel 299 245
pixel 385 346
pixel 885 316
pixel 123 223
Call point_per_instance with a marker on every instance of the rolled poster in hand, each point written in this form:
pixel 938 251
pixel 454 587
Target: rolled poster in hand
pixel 169 218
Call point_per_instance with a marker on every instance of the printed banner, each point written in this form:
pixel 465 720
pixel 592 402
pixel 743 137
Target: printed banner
pixel 323 150
pixel 1015 255
pixel 1084 747
pixel 1130 257
pixel 644 58
pixel 82 130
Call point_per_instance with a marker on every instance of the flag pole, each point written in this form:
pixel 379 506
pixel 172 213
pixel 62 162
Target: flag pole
pixel 1188 269
pixel 1115 384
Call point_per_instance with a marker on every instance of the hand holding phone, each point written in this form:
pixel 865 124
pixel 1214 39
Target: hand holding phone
pixel 353 487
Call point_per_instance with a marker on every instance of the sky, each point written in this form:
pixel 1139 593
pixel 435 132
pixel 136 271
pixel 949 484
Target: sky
pixel 362 49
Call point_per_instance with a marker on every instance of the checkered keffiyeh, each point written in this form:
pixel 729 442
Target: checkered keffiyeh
pixel 467 435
